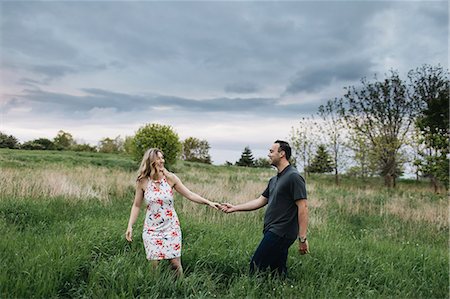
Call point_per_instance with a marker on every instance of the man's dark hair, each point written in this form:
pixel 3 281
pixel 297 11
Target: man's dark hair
pixel 284 146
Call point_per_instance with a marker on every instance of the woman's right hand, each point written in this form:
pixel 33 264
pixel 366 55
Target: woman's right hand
pixel 129 234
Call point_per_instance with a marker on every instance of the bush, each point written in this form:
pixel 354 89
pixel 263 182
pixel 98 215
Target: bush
pixel 39 144
pixel 31 145
pixel 157 136
pixel 83 148
pixel 8 141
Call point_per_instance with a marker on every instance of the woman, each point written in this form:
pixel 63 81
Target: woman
pixel 161 233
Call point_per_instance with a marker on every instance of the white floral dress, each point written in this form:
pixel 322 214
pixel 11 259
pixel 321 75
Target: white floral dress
pixel 161 233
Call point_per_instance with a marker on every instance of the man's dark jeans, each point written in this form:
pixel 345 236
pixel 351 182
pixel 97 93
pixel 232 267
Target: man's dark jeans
pixel 271 253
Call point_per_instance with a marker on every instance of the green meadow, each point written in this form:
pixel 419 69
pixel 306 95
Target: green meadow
pixel 63 216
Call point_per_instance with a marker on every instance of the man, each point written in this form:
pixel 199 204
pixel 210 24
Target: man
pixel 286 217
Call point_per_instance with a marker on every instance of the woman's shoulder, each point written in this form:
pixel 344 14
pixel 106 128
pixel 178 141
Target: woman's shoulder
pixel 142 183
pixel 171 177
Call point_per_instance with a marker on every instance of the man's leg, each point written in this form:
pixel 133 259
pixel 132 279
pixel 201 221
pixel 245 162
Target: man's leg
pixel 281 267
pixel 268 253
pixel 271 252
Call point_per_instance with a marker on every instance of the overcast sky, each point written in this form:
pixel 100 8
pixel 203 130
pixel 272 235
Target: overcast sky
pixel 234 73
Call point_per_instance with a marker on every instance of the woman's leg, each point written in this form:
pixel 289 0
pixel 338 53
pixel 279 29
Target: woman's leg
pixel 154 263
pixel 175 264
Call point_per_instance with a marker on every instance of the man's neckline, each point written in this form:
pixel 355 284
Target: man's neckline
pixel 283 171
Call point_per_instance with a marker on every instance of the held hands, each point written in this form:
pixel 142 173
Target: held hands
pixel 224 207
pixel 227 208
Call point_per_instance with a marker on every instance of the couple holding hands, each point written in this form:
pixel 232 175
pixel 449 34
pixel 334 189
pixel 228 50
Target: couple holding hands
pixel 285 220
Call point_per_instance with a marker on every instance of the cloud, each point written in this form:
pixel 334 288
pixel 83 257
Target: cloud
pixel 78 106
pixel 314 78
pixel 241 87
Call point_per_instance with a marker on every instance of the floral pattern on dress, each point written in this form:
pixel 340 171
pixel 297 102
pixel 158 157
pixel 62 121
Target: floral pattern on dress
pixel 161 233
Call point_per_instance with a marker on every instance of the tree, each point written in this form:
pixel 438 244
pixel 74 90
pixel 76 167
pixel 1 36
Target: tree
pixel 430 86
pixel 157 136
pixel 362 155
pixel 47 144
pixel 382 112
pixel 63 140
pixel 196 150
pixel 322 162
pixel 108 145
pixel 39 144
pixel 303 140
pixel 8 141
pixel 246 159
pixel 262 163
pixel 333 127
pixel 128 145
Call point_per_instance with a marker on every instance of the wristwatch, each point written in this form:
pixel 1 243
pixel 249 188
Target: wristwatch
pixel 302 240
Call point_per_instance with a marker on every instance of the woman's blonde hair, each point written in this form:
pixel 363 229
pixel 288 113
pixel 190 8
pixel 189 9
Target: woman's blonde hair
pixel 147 168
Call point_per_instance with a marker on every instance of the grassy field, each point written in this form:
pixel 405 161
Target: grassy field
pixel 63 216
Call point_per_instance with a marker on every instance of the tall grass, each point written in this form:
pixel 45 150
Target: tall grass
pixel 62 225
pixel 78 183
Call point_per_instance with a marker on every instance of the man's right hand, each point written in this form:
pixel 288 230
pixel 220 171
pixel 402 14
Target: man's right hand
pixel 227 208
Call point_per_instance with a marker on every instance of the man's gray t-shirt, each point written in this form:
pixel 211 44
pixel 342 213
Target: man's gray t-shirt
pixel 282 192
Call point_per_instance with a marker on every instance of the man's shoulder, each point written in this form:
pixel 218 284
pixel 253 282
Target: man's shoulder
pixel 293 173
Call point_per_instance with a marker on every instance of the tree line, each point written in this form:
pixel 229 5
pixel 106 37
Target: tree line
pixel 149 135
pixel 375 128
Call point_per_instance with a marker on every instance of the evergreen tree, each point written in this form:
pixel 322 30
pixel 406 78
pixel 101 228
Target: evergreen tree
pixel 247 158
pixel 321 162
